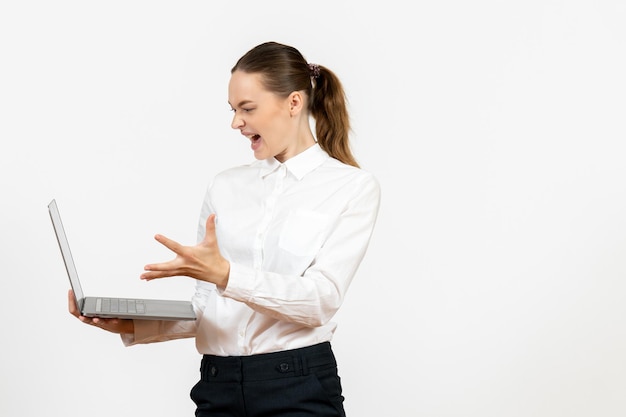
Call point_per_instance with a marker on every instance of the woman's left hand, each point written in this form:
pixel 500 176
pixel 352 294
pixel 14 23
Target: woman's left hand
pixel 202 261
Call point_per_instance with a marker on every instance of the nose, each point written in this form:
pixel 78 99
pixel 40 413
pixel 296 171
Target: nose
pixel 237 122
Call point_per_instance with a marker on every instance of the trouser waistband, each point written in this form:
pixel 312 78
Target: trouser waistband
pixel 284 364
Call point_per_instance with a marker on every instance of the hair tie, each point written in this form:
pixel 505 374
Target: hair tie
pixel 314 69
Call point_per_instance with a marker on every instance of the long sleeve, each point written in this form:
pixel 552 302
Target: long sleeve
pixel 313 297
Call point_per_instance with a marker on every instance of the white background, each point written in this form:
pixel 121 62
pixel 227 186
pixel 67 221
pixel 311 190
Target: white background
pixel 495 281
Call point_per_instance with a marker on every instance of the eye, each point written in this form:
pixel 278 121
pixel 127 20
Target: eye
pixel 242 109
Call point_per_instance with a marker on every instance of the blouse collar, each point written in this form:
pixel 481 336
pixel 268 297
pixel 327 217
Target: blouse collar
pixel 299 165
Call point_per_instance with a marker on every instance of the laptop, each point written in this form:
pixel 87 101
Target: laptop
pixel 114 307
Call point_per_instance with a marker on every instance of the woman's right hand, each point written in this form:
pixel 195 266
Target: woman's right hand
pixel 119 326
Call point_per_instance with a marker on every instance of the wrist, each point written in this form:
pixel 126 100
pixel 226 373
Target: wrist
pixel 224 274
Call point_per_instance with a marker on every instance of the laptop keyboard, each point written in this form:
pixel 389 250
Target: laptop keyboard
pixel 120 305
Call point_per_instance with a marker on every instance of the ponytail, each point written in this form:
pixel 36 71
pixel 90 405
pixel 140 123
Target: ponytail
pixel 329 109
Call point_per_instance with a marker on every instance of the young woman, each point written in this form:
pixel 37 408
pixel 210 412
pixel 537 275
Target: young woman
pixel 279 239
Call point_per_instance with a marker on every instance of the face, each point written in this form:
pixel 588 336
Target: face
pixel 262 117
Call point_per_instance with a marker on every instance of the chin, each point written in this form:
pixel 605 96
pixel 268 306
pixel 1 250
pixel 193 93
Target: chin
pixel 261 155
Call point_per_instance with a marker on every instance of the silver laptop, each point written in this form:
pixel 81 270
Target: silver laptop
pixel 114 307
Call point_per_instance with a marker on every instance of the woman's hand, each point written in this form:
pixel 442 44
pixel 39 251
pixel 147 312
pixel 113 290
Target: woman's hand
pixel 202 261
pixel 119 326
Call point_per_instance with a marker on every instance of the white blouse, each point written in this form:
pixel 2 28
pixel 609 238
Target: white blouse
pixel 294 234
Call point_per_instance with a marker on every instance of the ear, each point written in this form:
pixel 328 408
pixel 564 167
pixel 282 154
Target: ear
pixel 296 103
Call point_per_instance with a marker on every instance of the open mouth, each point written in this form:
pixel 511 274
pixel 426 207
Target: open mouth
pixel 252 136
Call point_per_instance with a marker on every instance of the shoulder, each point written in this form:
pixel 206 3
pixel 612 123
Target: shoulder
pixel 239 172
pixel 344 170
pixel 352 180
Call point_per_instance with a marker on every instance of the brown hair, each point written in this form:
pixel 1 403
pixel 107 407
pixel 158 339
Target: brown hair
pixel 284 70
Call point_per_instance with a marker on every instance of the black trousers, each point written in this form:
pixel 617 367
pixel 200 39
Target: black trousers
pixel 298 382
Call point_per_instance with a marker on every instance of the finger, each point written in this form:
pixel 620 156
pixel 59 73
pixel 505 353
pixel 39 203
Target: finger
pixel 100 321
pixel 162 266
pixel 154 273
pixel 105 324
pixel 148 276
pixel 161 270
pixel 170 267
pixel 168 243
pixel 71 303
pixel 209 235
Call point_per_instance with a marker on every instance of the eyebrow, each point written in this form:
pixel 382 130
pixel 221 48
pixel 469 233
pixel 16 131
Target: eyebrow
pixel 241 103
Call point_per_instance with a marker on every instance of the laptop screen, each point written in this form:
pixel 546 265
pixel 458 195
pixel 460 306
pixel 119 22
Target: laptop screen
pixel 66 253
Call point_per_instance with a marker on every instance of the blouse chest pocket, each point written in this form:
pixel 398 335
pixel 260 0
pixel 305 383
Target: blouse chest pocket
pixel 304 232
